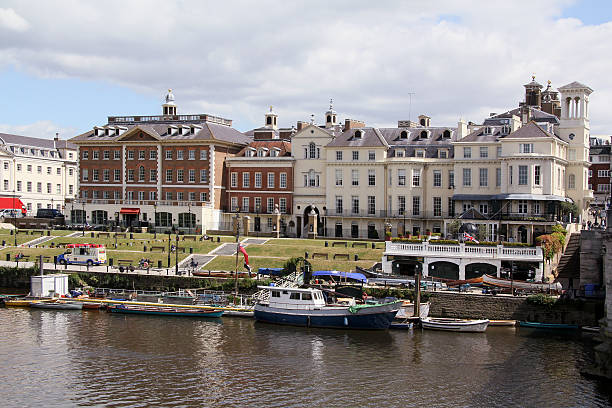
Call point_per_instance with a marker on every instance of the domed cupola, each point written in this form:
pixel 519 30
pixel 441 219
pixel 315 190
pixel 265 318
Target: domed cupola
pixel 169 108
pixel 331 118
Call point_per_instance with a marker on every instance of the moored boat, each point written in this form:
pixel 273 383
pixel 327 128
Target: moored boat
pixel 164 311
pixel 59 305
pixel 518 284
pixel 507 323
pixel 307 307
pixel 548 326
pixel 18 302
pixel 456 325
pixel 407 310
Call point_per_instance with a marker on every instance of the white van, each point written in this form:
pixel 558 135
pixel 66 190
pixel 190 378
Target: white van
pixel 83 254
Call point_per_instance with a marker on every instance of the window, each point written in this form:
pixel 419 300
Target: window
pixel 49 170
pixel 419 153
pixel 70 189
pixel 355 155
pixel 179 155
pixel 141 173
pixel 282 205
pixel 192 176
pixel 153 175
pixel 354 204
pixel 168 154
pixel 522 206
pixel 498 177
pixel 338 155
pixel 96 154
pixel 141 195
pixel 152 154
pixel 571 181
pixel 371 155
pixel 283 180
pixel 141 155
pixel 603 188
pixel 535 207
pixel 437 178
pixel 203 176
pixel 85 154
pixel 58 171
pixel 467 152
pixel 245 204
pixel 371 177
pixel 180 196
pixel 437 206
pixel 19 186
pixel 6 185
pixel 499 151
pixel 484 152
pixel 116 154
pixel 28 186
pixel 526 148
pixel 355 177
pixel 270 180
pixel 6 165
pixel 536 175
pixel 85 173
pixel 152 195
pixel 401 177
pixel 451 179
pixel 70 171
pixel 338 177
pixel 29 168
pixel 202 196
pixel 339 206
pixel 451 207
pixel 168 195
pixel 510 174
pixel 169 177
pixel 416 205
pixel 106 175
pixel 416 177
pixel 270 204
pixel 202 156
pixel 401 205
pixel 603 173
pixel 484 177
pixel 399 153
pixel 467 177
pixel 246 179
pixel 130 174
pixel 180 175
pixel 117 174
pixel 371 205
pixel 192 155
pixel 130 155
pixel 49 188
pixel 484 208
pixel 96 175
pixel 234 204
pixel 443 154
pixel 19 167
pixel 523 175
pixel 257 180
pixel 312 150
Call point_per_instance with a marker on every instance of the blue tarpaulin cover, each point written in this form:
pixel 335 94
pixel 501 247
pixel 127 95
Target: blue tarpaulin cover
pixel 270 271
pixel 337 274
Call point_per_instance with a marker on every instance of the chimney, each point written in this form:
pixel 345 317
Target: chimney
pixel 462 129
pixel 301 125
pixel 55 140
pixel 515 123
pixel 353 124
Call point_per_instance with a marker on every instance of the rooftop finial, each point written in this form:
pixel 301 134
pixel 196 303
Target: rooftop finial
pixel 533 76
pixel 312 118
pixel 271 108
pixel 331 104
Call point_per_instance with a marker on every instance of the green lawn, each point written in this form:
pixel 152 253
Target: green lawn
pixel 228 263
pixel 137 244
pixel 281 249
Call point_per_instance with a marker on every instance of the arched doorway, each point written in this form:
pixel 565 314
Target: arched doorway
pixel 443 269
pixel 476 270
pixel 522 234
pixel 319 220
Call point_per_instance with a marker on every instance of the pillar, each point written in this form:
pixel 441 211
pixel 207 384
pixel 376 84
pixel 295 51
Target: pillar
pixel 312 221
pixel 246 225
pixel 461 270
pixel 387 230
pixel 276 221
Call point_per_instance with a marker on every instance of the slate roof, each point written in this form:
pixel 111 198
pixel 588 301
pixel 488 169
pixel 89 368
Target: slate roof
pixel 599 149
pixel 209 131
pixel 370 137
pixel 284 146
pixel 34 141
pixel 575 85
pixel 529 131
pixel 534 114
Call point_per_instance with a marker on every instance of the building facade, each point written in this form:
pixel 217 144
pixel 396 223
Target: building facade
pixel 162 171
pixel 599 172
pixel 42 173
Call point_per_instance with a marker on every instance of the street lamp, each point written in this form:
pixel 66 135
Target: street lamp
pixel 169 240
pixel 116 223
pixel 155 220
pixel 189 210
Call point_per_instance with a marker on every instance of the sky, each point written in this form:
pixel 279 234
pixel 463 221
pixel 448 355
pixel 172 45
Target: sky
pixel 67 65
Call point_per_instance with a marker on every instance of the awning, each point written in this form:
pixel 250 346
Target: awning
pixel 472 197
pixel 346 275
pixel 11 203
pixel 531 197
pixel 134 211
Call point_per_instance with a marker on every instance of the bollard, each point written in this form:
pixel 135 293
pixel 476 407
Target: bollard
pixel 93 235
pixel 131 236
pixel 356 257
pixel 305 255
pixel 326 244
pixel 8 257
pixel 191 250
pixel 10 232
pixel 159 264
pixel 3 243
pixel 48 233
pixel 373 245
pixel 218 239
pixel 144 249
pixel 111 261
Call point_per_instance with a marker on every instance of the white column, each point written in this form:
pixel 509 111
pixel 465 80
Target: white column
pixel 461 269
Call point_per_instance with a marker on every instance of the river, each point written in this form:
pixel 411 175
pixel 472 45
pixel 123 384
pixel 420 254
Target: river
pixel 59 359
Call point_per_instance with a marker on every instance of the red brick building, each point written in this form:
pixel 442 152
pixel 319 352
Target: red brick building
pixel 163 171
pixel 599 172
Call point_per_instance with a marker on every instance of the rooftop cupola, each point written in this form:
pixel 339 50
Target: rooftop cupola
pixel 272 119
pixel 331 118
pixel 169 108
pixel 533 91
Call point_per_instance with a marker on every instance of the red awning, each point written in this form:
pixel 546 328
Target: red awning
pixel 10 203
pixel 135 211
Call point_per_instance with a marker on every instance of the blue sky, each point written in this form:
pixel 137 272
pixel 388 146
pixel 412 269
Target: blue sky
pixel 57 75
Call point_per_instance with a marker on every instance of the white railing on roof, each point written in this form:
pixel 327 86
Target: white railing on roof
pixel 463 250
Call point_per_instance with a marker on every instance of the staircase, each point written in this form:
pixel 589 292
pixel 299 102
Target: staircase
pixel 569 264
pixel 292 280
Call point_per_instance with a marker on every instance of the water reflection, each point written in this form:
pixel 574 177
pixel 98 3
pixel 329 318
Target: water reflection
pixel 92 358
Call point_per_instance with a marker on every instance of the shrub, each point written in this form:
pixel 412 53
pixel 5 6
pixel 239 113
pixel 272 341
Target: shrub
pixel 444 242
pixel 515 244
pixel 559 228
pixel 408 240
pixel 542 299
pixel 481 243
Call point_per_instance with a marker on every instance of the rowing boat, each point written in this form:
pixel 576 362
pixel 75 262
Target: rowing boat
pixel 163 311
pixel 509 323
pixel 549 326
pixel 60 305
pixel 518 284
pixel 456 325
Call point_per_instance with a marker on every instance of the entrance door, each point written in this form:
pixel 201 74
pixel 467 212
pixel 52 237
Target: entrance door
pixel 257 226
pixel 299 226
pixel 338 230
pixel 522 234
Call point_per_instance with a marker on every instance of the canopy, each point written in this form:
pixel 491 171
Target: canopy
pixel 135 211
pixel 337 274
pixel 270 271
pixel 10 203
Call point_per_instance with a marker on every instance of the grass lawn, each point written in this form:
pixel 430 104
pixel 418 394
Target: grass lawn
pixel 280 249
pixel 228 263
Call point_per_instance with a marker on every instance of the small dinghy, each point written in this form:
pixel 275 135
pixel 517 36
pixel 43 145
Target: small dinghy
pixel 456 325
pixel 548 326
pixel 61 305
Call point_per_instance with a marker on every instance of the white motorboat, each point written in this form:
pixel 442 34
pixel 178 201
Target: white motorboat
pixel 59 305
pixel 407 310
pixel 456 325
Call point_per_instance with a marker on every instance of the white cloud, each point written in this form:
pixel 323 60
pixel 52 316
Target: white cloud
pixel 460 58
pixel 10 20
pixel 43 129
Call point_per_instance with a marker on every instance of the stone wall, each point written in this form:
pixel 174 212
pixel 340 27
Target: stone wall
pixel 476 306
pixel 591 262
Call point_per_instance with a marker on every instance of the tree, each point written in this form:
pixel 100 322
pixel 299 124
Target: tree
pixel 453 228
pixel 567 208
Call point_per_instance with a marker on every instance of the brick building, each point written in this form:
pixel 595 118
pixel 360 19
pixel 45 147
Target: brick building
pixel 599 172
pixel 161 171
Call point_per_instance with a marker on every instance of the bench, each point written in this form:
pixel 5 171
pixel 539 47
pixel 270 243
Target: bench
pixel 41 232
pixel 339 256
pixel 361 244
pixel 161 248
pixel 334 244
pixel 103 234
pixel 191 237
pixel 121 234
pixel 125 264
pixel 320 255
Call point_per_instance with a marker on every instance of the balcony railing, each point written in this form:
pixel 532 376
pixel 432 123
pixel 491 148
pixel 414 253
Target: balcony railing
pixel 408 214
pixel 470 251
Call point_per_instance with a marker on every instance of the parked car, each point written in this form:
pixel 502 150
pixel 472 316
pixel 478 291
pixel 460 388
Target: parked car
pixel 8 213
pixel 49 213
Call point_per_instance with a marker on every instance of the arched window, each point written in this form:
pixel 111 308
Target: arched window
pixel 423 133
pixel 328 118
pixel 358 134
pixel 312 151
pixel 311 178
pixel 269 120
pixel 404 135
pixel 141 173
pixel 422 121
pixel 446 134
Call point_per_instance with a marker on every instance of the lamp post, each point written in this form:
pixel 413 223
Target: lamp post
pixel 155 220
pixel 176 251
pixel 84 217
pixel 116 223
pixel 189 210
pixel 72 212
pixel 237 250
pixel 169 240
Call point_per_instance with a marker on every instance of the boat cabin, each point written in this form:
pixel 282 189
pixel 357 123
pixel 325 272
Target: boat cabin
pixel 295 298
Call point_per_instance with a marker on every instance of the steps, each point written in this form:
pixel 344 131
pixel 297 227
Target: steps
pixel 569 264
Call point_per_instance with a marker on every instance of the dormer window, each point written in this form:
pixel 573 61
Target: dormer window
pixel 505 130
pixel 404 135
pixel 180 131
pixel 274 153
pixel 442 154
pixel 424 134
pixel 261 153
pixel 117 132
pixel 399 153
pixel 446 134
pixel 169 131
pixel 487 130
pixel 419 153
pixel 358 134
pixel 107 132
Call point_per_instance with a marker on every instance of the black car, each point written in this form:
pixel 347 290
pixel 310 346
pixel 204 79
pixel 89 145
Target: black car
pixel 49 213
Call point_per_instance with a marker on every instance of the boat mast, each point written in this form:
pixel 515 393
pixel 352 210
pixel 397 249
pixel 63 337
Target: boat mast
pixel 417 293
pixel 237 251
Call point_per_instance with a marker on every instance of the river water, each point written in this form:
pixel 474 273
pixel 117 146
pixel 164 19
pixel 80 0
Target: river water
pixel 71 358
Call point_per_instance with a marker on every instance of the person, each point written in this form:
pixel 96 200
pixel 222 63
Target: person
pixel 23 211
pixel 172 248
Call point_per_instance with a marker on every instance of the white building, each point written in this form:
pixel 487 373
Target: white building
pixel 42 173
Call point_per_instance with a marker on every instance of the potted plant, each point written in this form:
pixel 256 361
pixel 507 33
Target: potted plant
pixel 388 236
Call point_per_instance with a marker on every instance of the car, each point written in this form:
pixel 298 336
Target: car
pixel 8 213
pixel 49 213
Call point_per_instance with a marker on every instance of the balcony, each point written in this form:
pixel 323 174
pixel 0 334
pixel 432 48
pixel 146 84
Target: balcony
pixel 426 249
pixel 408 214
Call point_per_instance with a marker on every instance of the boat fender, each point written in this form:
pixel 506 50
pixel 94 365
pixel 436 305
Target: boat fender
pixel 308 321
pixel 346 321
pixel 364 296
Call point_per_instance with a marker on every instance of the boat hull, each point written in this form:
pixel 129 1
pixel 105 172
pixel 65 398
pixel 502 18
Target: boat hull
pixel 549 326
pixel 165 311
pixel 517 284
pixel 407 310
pixel 57 306
pixel 371 318
pixel 455 325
